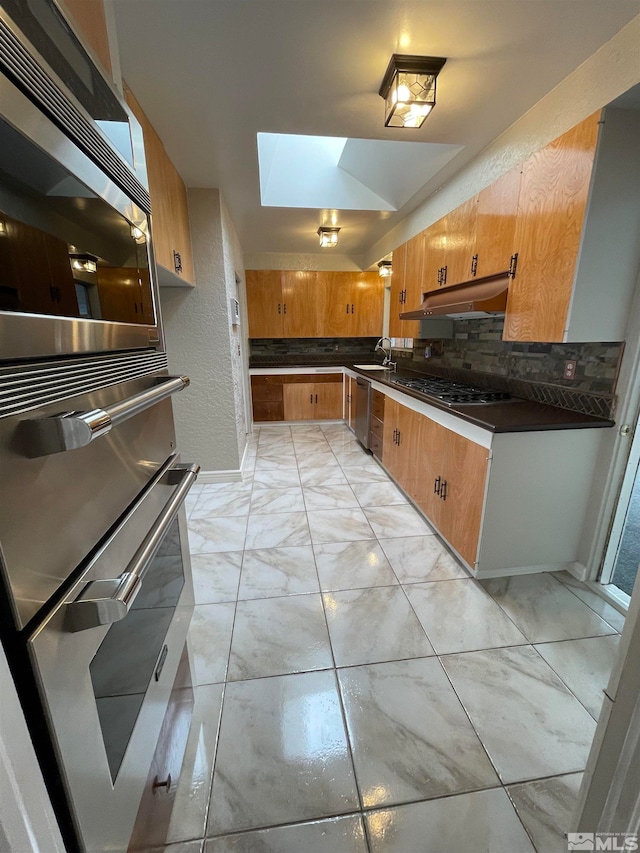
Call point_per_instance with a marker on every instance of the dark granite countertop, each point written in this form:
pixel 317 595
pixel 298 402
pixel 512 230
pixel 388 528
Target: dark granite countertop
pixel 513 416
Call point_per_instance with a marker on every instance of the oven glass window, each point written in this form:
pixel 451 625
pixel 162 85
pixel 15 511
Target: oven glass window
pixel 63 250
pixel 133 650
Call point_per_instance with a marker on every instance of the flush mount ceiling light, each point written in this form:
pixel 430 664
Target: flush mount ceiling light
pixel 84 263
pixel 328 237
pixel 385 269
pixel 409 89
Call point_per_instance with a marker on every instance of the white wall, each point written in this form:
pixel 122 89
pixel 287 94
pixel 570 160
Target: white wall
pixel 326 261
pixel 200 341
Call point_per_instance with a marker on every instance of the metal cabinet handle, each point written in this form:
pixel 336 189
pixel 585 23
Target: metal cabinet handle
pixel 436 485
pixel 103 602
pixel 284 307
pixel 346 309
pixel 352 309
pixel 443 490
pixel 279 308
pixel 316 398
pixel 177 262
pixel 70 430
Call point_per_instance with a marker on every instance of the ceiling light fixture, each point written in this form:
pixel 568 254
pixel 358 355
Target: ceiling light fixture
pixel 409 89
pixel 328 237
pixel 385 269
pixel 84 263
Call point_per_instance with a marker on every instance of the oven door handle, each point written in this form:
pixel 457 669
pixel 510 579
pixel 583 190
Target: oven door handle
pixel 103 602
pixel 70 430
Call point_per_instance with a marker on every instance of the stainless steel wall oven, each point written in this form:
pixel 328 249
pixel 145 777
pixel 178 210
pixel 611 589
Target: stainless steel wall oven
pixel 95 586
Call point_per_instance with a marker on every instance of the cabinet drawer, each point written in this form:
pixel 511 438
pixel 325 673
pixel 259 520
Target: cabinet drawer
pixel 268 410
pixel 266 393
pixel 315 378
pixel 375 445
pixel 377 405
pixel 376 427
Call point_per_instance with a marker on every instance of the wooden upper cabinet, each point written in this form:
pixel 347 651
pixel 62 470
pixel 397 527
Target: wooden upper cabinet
pixel 89 18
pixel 170 218
pixel 264 303
pixel 333 301
pixel 460 242
pixel 396 325
pixel 367 304
pixel 434 247
pixel 551 208
pixel 496 223
pixel 412 296
pixel 300 305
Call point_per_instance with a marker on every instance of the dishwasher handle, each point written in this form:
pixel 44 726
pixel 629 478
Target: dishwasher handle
pixel 103 602
pixel 71 430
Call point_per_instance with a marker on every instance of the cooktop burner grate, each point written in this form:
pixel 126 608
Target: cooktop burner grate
pixel 453 393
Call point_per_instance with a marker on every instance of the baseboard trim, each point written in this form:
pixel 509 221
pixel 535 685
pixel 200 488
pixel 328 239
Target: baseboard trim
pixel 211 477
pixel 512 571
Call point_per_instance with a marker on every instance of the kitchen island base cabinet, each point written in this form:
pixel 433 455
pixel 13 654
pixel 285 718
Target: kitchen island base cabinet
pixel 506 503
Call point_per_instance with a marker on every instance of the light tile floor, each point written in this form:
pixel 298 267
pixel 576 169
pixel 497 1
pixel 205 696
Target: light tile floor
pixel 357 691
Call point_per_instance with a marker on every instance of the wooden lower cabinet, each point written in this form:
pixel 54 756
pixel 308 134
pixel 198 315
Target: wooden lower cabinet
pixel 297 397
pixel 443 472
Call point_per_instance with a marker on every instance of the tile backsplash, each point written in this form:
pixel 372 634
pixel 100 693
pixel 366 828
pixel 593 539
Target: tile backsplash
pixel 477 353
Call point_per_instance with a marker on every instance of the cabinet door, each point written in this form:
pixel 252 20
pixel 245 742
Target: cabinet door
pixel 464 473
pixel 390 448
pixel 551 207
pixel 298 400
pixel 327 400
pixel 496 223
pixel 433 440
pixel 396 326
pixel 409 460
pixel 461 241
pixel 412 296
pixel 434 242
pixel 333 308
pixel 300 305
pixel 366 303
pixel 264 303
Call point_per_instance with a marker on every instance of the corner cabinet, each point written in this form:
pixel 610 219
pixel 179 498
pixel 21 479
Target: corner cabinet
pixel 507 503
pixel 285 396
pixel 170 214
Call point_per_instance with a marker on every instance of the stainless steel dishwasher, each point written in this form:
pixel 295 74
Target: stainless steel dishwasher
pixel 363 405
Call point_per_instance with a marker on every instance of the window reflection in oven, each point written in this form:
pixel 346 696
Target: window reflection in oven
pixel 133 651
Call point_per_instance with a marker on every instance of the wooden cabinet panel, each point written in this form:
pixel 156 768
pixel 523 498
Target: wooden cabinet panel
pixel 170 220
pixel 350 401
pixel 89 17
pixel 301 317
pixel 396 325
pixel 367 304
pixel 552 202
pixel 264 303
pixel 434 239
pixel 377 405
pixel 496 223
pixel 333 300
pixel 298 401
pixel 327 399
pixel 412 296
pixel 460 242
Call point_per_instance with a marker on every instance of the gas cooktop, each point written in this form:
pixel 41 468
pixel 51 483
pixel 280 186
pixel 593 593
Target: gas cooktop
pixel 453 393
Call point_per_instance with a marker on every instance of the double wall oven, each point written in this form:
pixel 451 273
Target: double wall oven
pixel 95 596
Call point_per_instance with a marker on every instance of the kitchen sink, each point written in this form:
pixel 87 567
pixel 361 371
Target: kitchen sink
pixel 370 367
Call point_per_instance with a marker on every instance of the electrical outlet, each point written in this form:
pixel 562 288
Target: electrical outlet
pixel 569 371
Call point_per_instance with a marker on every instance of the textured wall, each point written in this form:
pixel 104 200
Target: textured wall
pixel 200 341
pixel 326 260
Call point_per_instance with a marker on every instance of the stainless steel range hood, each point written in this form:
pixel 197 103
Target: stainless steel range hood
pixel 484 297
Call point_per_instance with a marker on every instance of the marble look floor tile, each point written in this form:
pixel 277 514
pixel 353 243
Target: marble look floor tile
pixel 410 736
pixel 235 487
pixel 365 474
pixel 210 535
pixel 273 572
pixel 274 636
pixel 322 477
pixel 347 525
pixel 310 441
pixel 592 599
pixel 416 559
pixel 482 822
pixel 277 530
pixel 287 499
pixel 546 809
pixel 459 616
pixel 334 835
pixel 544 609
pixel 277 462
pixel 190 503
pixel 584 666
pixel 282 756
pixel 274 478
pixel 180 847
pixel 378 494
pixel 209 641
pixel 528 721
pixel 316 459
pixel 222 503
pixel 396 521
pixel 373 625
pixel 216 576
pixel 353 565
pixel 329 497
pixel 188 815
pixel 352 458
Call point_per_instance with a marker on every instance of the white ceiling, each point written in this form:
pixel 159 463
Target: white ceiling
pixel 212 74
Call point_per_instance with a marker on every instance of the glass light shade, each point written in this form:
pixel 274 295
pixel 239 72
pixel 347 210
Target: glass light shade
pixel 385 269
pixel 409 89
pixel 84 263
pixel 328 237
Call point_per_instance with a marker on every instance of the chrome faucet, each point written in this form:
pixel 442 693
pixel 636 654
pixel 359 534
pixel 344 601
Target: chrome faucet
pixel 380 347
